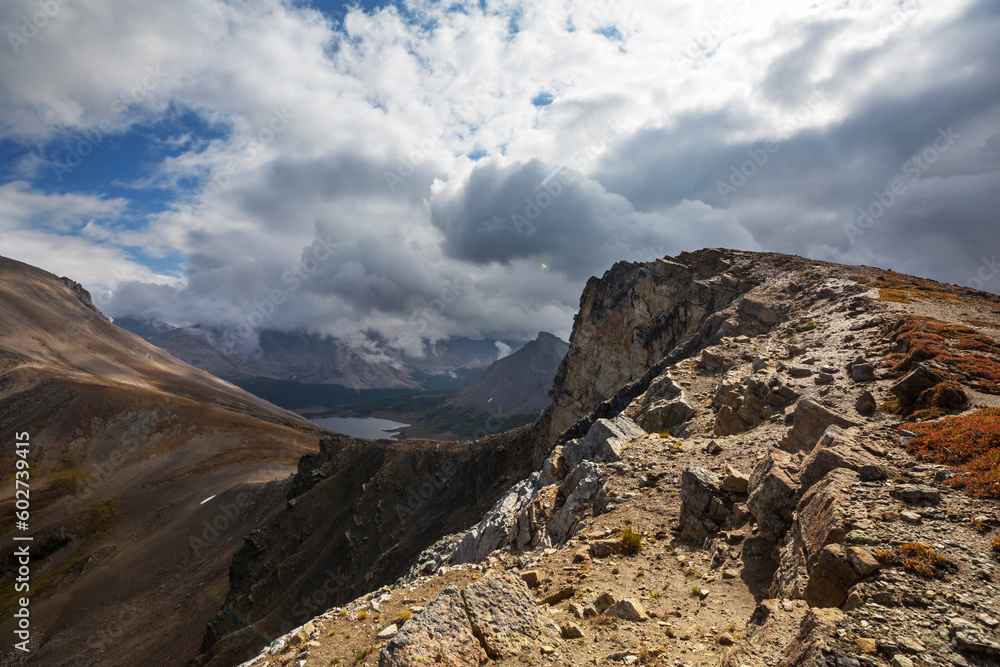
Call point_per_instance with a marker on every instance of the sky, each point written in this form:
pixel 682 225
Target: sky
pixel 412 171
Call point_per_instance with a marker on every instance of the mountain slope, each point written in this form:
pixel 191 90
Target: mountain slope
pixel 126 443
pixel 518 383
pixel 807 476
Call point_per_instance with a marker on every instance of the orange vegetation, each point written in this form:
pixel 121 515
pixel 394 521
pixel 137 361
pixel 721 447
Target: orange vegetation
pixel 963 350
pixel 969 443
pixel 918 558
pixel 904 289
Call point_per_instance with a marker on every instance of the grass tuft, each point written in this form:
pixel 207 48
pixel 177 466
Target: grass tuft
pixel 631 542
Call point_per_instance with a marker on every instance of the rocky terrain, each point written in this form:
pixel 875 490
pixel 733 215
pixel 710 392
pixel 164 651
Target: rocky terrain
pixel 520 382
pixel 750 459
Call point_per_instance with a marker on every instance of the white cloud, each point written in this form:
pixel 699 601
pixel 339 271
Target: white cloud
pixel 359 136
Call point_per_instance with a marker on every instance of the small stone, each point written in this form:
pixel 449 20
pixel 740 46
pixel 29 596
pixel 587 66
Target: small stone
pixel 866 405
pixel 629 610
pixel 303 634
pixel 713 448
pixel 631 659
pixel 571 631
pixel 910 645
pixel 576 609
pixel 530 578
pixel 603 602
pixel 560 595
pixel 726 639
pixel 872 473
pixel 901 661
pixel 548 650
pixel 730 573
pixel 987 620
pixel 581 555
pixel 604 548
pixel 389 632
pixel 867 645
pixel 735 481
pixel 916 493
pixel 863 561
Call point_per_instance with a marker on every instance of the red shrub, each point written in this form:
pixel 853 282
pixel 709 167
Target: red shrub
pixel 969 443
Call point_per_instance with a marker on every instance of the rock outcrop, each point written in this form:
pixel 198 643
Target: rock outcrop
pixel 809 422
pixel 631 318
pixel 491 619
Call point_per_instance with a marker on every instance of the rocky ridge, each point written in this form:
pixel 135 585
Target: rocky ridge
pixel 733 488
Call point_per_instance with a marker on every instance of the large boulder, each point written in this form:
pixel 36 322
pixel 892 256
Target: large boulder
pixel 703 504
pixel 809 421
pixel 817 634
pixel 491 619
pixel 664 416
pixel 774 489
pixel 581 490
pixel 529 529
pixel 835 449
pixel 664 406
pixel 831 578
pixel 916 382
pixel 503 616
pixel 744 404
pixel 821 518
pixel 605 441
pixel 440 634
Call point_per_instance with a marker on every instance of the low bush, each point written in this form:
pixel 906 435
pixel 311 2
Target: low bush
pixel 968 443
pixel 918 558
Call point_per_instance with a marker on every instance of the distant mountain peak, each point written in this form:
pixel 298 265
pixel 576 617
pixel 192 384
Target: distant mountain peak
pixel 518 383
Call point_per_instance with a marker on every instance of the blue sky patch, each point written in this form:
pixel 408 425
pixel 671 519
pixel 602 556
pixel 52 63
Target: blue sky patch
pixel 543 99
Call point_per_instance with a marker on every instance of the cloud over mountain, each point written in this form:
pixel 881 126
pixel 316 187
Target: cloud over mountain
pixel 427 170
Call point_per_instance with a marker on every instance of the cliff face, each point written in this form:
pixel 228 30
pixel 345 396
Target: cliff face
pixel 359 513
pixel 633 316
